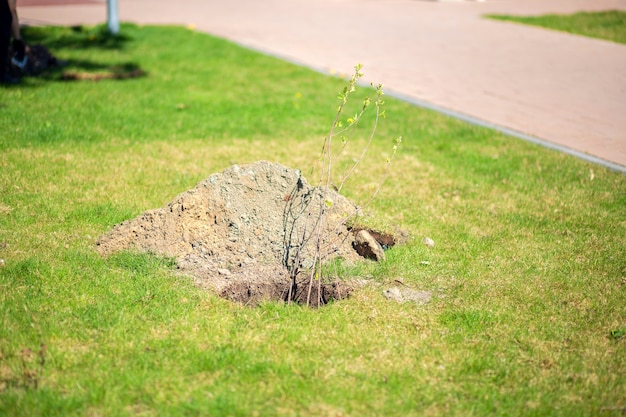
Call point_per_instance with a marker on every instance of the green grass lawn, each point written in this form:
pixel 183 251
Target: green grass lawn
pixel 528 272
pixel 609 25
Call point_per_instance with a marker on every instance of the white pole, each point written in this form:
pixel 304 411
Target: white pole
pixel 113 23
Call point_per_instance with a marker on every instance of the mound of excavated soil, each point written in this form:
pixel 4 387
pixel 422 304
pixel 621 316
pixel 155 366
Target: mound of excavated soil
pixel 239 233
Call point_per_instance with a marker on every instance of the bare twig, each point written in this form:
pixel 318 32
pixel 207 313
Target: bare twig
pixel 319 235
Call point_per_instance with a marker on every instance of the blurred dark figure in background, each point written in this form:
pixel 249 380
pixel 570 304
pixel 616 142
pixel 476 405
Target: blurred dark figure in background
pixel 10 26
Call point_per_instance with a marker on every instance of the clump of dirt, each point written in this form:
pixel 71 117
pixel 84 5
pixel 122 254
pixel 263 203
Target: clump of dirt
pixel 241 232
pixel 111 73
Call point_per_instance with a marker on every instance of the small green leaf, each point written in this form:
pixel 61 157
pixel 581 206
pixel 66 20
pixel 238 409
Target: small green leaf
pixel 618 334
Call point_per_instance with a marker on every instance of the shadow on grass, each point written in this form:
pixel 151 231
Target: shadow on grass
pixel 81 70
pixel 75 37
pixel 45 41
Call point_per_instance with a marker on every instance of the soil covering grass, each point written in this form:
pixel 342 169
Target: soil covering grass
pixel 609 25
pixel 528 271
